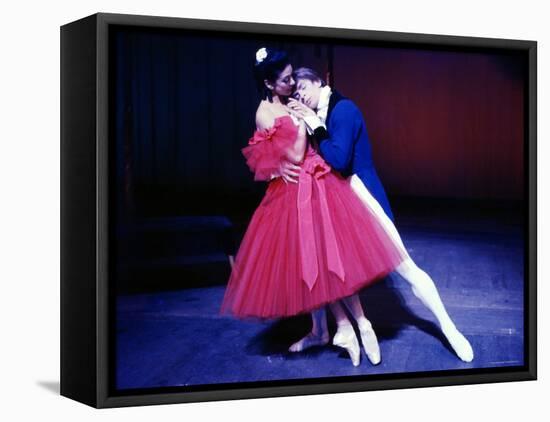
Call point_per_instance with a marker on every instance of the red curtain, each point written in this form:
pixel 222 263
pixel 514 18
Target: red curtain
pixel 442 124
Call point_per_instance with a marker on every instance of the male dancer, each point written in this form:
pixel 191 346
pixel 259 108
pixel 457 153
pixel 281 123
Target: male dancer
pixel 339 129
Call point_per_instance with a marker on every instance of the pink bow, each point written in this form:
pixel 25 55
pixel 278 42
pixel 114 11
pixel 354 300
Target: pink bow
pixel 313 169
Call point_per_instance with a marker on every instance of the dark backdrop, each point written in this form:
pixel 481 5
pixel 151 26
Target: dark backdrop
pixel 184 108
pixel 442 124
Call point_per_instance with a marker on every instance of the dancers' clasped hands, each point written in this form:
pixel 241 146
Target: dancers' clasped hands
pixel 299 109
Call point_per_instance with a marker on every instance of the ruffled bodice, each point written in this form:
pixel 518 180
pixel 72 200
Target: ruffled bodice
pixel 266 148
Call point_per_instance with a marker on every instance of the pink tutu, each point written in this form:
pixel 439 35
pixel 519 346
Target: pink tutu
pixel 307 244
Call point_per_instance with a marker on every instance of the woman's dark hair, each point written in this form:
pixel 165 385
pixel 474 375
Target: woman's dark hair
pixel 269 65
pixel 309 74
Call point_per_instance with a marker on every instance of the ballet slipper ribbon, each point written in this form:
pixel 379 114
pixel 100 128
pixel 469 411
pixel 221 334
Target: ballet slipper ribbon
pixel 312 171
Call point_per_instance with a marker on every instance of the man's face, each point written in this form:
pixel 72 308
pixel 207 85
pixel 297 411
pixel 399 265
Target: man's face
pixel 308 92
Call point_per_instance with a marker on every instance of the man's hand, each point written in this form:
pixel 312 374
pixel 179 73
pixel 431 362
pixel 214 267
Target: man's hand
pixel 289 171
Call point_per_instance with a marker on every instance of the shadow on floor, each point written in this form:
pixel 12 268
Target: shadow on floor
pixel 384 306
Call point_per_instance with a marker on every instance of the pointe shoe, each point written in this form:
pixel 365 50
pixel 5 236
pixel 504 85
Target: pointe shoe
pixel 308 341
pixel 370 343
pixel 460 344
pixel 348 340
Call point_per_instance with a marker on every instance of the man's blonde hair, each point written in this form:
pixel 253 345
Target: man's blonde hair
pixel 309 74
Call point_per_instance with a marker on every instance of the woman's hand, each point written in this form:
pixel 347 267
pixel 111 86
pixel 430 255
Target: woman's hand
pixel 298 109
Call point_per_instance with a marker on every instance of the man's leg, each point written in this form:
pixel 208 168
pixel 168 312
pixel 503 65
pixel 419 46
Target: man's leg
pixel 422 285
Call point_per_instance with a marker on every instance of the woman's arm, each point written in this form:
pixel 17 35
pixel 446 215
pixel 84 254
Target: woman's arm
pixel 294 154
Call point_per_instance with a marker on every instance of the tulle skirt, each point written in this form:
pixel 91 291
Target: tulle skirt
pixel 267 278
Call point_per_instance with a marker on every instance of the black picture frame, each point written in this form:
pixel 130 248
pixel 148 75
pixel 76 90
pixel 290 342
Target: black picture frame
pixel 85 301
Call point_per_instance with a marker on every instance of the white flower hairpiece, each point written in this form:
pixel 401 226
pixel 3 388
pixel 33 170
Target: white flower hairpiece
pixel 261 54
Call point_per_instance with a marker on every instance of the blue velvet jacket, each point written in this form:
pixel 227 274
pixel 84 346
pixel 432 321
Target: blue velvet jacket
pixel 345 145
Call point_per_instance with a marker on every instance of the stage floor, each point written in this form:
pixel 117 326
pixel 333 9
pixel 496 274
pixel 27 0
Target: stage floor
pixel 177 338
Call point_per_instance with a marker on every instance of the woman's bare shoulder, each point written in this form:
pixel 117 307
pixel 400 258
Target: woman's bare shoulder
pixel 265 117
